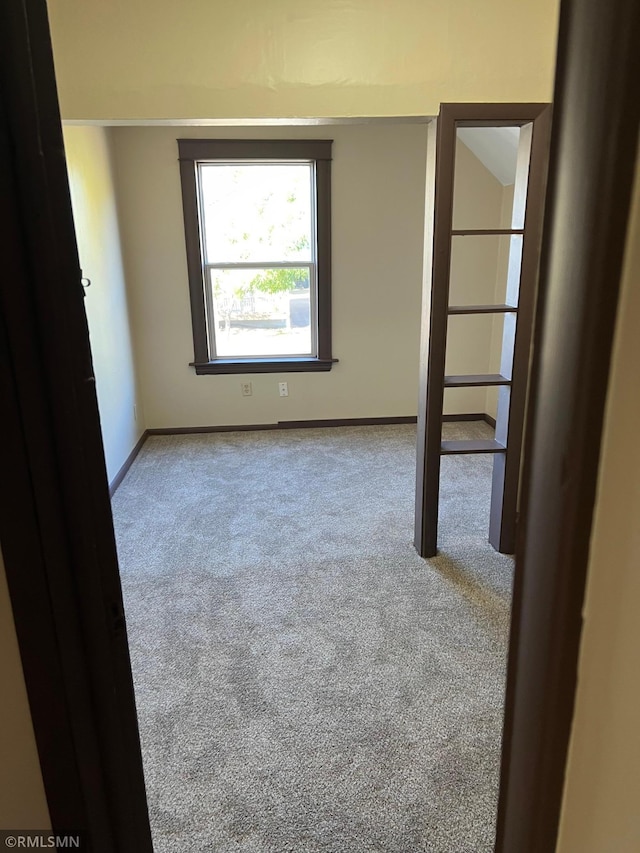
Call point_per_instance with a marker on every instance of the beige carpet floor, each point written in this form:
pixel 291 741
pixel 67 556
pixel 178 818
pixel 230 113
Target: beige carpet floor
pixel 304 681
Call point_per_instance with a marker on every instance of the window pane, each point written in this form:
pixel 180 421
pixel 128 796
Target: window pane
pixel 261 312
pixel 256 212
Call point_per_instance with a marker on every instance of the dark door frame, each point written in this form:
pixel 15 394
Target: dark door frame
pixel 591 169
pixel 55 522
pixel 55 517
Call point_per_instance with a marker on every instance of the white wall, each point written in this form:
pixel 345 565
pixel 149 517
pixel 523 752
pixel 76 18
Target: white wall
pixel 504 243
pixel 378 175
pixel 203 59
pixel 601 809
pixel 94 210
pixel 23 803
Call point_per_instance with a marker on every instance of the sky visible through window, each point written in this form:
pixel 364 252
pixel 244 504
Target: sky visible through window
pixel 259 214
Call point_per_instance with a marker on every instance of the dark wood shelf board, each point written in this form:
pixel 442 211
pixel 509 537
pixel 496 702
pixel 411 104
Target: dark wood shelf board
pixel 482 309
pixel 468 446
pixel 475 232
pixel 475 380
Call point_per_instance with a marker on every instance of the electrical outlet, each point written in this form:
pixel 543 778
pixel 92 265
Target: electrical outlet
pixel 283 388
pixel 246 388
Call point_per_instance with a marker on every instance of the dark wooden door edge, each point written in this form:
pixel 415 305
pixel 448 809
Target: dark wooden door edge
pixel 128 462
pixel 56 528
pixel 593 157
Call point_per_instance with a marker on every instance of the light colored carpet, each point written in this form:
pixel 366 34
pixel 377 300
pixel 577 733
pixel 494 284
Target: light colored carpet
pixel 304 681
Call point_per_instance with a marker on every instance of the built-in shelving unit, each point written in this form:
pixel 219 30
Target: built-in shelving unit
pixel 533 122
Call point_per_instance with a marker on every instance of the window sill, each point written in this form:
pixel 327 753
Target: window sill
pixel 264 365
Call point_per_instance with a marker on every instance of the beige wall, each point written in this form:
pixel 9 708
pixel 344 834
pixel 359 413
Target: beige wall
pixel 601 810
pixel 378 176
pixel 377 211
pixel 478 273
pixel 94 209
pixel 22 799
pixel 256 58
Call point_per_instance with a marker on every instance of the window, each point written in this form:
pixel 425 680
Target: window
pixel 257 230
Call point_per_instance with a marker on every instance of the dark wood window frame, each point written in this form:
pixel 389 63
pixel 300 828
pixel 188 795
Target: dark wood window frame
pixel 318 151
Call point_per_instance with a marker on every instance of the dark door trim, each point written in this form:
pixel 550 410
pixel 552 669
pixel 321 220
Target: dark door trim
pixel 55 517
pixel 593 156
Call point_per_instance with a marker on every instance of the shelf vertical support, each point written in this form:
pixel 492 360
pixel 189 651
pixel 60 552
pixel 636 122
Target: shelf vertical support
pixel 522 276
pixel 441 146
